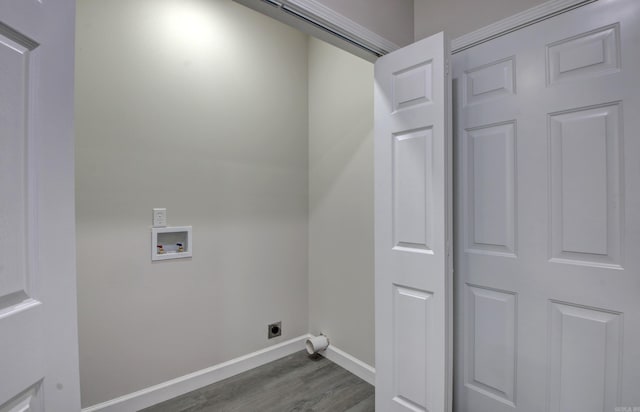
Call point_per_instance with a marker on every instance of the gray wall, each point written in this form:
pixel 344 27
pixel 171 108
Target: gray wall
pixel 341 199
pixel 199 106
pixel 458 17
pixel 391 19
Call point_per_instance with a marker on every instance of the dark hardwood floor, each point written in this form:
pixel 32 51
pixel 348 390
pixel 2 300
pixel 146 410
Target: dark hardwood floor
pixel 294 383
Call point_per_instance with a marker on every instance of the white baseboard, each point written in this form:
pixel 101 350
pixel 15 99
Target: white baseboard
pixel 187 383
pixel 362 370
pixel 179 386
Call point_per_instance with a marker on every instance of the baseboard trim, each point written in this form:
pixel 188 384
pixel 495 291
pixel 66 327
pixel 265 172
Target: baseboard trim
pixel 187 383
pixel 179 386
pixel 354 365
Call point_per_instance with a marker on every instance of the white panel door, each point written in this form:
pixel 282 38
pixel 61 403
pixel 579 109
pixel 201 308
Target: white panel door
pixel 38 338
pixel 412 230
pixel 547 216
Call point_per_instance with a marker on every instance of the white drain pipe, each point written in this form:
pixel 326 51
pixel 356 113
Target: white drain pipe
pixel 317 344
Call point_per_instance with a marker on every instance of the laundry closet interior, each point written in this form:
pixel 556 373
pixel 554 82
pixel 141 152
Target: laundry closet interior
pixel 459 214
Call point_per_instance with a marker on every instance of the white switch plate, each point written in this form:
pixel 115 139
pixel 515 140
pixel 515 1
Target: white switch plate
pixel 159 217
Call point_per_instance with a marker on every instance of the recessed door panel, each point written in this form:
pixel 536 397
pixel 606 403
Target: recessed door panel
pixel 584 354
pixel 585 175
pixel 491 189
pixel 411 348
pixel 412 86
pixel 490 81
pixel 490 343
pixel 412 188
pixel 590 54
pixel 14 78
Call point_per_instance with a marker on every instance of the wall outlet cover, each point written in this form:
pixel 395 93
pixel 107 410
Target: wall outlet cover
pixel 159 217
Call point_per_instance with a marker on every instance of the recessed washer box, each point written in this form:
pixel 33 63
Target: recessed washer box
pixel 171 239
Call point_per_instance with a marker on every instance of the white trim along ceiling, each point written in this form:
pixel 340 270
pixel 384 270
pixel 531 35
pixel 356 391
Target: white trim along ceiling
pixel 316 19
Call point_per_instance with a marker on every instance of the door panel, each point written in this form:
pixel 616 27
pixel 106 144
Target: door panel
pixel 548 215
pixel 38 344
pixel 581 338
pixel 14 76
pixel 412 200
pixel 585 171
pixel 490 349
pixel 491 189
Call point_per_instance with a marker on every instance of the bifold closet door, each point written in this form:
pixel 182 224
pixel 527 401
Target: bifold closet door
pixel 412 228
pixel 547 149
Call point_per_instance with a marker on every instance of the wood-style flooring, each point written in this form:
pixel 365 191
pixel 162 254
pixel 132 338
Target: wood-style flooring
pixel 295 383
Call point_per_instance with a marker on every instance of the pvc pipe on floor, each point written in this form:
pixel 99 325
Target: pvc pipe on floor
pixel 317 344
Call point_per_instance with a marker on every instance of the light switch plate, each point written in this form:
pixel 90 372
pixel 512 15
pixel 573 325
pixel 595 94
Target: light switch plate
pixel 159 217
